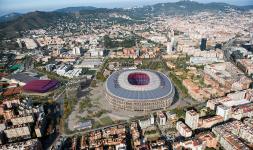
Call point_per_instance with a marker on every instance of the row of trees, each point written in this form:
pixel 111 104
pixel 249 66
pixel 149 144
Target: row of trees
pixel 178 84
pixel 68 106
pixel 150 64
pixel 100 76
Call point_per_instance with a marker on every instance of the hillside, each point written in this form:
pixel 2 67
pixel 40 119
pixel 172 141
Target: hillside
pixel 9 17
pixel 39 19
pixel 75 9
pixel 28 21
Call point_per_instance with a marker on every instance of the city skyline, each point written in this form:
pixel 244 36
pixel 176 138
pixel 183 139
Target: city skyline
pixel 10 6
pixel 84 75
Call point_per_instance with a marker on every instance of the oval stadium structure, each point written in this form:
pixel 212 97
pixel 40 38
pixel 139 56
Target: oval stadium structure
pixel 139 90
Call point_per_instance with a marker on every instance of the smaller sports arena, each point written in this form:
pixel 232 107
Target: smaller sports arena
pixel 41 86
pixel 139 90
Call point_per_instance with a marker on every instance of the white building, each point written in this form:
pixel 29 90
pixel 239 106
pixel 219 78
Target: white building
pixel 161 118
pixel 204 60
pixel 73 73
pixel 89 63
pixel 251 35
pixel 20 131
pixel 31 144
pixel 76 51
pixel 147 122
pixel 98 52
pixel 22 119
pixel 152 119
pixel 121 147
pixel 29 43
pixel 223 111
pixel 183 129
pixel 144 123
pixel 192 119
pixel 63 69
pixel 169 48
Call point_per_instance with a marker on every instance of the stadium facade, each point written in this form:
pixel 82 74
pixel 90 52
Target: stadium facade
pixel 139 90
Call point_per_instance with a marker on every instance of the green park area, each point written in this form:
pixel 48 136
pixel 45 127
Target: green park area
pixel 68 106
pixel 152 134
pixel 153 64
pixel 126 42
pixel 182 72
pixel 84 104
pixel 106 121
pixel 178 83
pixel 180 112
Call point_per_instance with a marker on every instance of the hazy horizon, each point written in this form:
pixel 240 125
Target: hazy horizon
pixel 24 6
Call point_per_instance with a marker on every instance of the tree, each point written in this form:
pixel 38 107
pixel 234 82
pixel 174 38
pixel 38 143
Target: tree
pixel 93 83
pixel 100 76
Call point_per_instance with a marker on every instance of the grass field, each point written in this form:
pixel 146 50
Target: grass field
pixel 106 121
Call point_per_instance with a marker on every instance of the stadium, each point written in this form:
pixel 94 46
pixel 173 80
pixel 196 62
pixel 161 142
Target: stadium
pixel 139 90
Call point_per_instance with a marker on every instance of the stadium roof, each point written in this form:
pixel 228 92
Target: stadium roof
pixel 41 86
pixel 159 85
pixel 22 77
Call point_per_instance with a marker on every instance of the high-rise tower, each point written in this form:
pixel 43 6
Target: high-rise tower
pixel 251 35
pixel 203 44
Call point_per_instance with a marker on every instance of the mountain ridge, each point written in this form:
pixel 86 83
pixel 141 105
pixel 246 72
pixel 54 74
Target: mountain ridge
pixel 40 19
pixel 74 9
pixel 9 17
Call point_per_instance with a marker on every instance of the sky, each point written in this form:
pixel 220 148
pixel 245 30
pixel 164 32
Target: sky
pixel 23 6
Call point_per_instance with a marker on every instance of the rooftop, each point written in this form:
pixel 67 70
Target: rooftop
pixel 41 86
pixel 22 77
pixel 154 85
